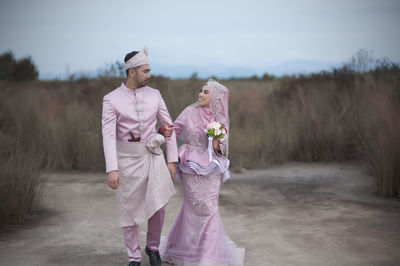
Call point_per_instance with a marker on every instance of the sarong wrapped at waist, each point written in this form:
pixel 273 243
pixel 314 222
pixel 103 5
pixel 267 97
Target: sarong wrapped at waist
pixel 145 182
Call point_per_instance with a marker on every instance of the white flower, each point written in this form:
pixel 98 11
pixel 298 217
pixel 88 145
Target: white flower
pixel 213 125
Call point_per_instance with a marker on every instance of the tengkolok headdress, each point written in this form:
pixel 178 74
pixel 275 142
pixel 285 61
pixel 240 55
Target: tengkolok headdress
pixel 138 60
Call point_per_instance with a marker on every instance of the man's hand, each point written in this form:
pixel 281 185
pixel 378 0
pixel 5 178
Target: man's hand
pixel 172 170
pixel 113 179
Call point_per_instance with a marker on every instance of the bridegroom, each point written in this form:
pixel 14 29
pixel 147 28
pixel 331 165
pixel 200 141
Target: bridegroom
pixel 134 161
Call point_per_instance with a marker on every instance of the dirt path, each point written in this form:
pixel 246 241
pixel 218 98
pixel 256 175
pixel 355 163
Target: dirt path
pixel 292 214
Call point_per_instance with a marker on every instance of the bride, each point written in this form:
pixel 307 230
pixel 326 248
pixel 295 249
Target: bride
pixel 197 236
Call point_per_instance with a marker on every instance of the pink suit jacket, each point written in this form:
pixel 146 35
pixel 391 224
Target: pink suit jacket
pixel 128 111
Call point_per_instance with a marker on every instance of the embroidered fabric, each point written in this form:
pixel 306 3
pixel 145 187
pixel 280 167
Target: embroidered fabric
pixel 219 107
pixel 145 183
pixel 193 154
pixel 197 236
pixel 203 202
pixel 196 137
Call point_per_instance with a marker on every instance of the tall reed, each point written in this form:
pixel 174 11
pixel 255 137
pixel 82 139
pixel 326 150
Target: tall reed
pixel 379 136
pixel 322 117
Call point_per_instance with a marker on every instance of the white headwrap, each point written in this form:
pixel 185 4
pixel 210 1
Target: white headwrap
pixel 138 60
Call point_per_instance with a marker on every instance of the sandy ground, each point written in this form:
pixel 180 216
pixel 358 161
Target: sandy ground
pixel 291 214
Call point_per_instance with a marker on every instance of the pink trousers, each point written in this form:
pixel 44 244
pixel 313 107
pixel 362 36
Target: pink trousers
pixel 131 235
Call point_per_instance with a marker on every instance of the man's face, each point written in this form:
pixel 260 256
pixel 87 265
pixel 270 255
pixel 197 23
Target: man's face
pixel 141 75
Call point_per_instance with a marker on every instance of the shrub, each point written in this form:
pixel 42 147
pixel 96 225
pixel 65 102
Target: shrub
pixel 379 136
pixel 23 69
pixel 21 185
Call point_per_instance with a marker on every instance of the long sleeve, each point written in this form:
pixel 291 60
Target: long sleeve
pixel 224 146
pixel 179 124
pixel 164 118
pixel 109 119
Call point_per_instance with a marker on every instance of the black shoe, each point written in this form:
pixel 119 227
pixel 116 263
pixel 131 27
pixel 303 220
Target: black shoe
pixel 154 257
pixel 134 263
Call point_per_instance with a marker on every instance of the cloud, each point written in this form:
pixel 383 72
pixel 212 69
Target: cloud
pixel 88 34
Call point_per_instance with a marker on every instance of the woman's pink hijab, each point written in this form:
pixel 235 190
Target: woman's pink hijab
pixel 217 109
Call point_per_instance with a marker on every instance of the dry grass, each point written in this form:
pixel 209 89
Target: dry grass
pixel 379 136
pixel 324 117
pixel 20 179
pixel 20 186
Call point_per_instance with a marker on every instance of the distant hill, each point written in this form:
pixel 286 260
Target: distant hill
pixel 221 71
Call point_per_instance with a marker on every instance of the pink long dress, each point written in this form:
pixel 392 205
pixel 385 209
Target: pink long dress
pixel 197 236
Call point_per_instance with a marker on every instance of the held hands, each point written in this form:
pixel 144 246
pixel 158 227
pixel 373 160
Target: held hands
pixel 113 179
pixel 166 130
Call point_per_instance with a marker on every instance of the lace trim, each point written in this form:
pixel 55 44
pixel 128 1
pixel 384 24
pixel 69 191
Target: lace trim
pixel 218 93
pixel 198 139
pixel 204 204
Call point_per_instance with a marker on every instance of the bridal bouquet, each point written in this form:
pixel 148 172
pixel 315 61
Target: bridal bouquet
pixel 216 130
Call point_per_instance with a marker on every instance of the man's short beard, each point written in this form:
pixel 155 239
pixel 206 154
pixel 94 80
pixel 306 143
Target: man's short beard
pixel 141 84
pixel 144 83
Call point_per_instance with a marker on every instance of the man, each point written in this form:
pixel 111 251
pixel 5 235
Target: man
pixel 134 161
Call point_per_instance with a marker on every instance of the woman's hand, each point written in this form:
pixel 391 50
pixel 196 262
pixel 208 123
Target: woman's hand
pixel 215 144
pixel 166 130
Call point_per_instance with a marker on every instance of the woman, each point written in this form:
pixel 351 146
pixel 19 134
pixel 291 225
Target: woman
pixel 197 236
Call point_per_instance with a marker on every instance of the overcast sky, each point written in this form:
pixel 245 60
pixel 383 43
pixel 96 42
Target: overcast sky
pixel 86 35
